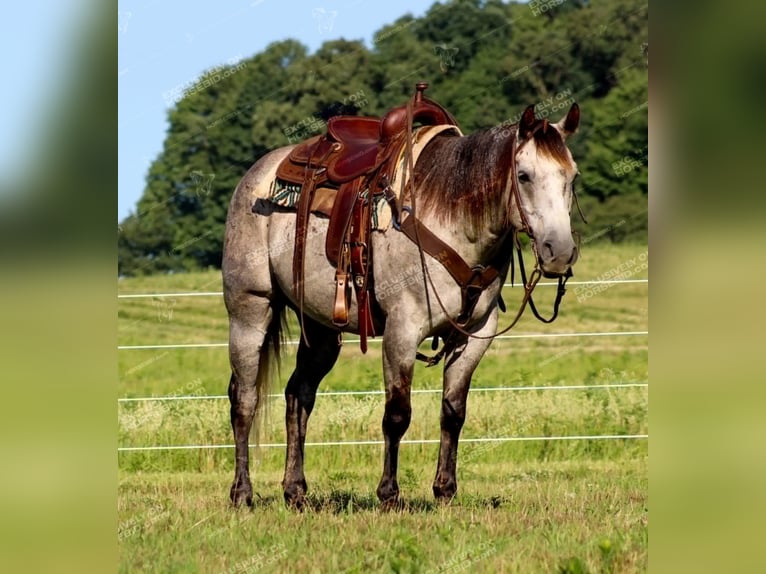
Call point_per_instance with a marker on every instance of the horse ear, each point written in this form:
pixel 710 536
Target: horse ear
pixel 526 122
pixel 568 125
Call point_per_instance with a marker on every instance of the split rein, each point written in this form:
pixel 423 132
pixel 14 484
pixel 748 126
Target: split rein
pixel 471 291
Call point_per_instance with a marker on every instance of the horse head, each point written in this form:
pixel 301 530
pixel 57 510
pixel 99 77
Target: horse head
pixel 544 176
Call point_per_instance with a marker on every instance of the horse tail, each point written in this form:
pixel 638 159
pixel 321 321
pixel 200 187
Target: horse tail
pixel 269 365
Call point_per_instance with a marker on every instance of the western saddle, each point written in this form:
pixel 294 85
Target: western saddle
pixel 350 165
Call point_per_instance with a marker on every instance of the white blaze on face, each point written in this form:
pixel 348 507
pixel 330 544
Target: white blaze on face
pixel 546 191
pixel 545 187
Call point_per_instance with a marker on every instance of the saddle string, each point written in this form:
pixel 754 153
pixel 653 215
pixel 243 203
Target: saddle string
pixel 409 175
pixel 301 228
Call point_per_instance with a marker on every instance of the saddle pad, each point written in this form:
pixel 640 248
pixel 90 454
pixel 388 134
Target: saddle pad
pixel 286 194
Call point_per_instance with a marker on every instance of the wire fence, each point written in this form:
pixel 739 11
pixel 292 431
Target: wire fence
pixel 414 392
pixel 220 293
pixel 124 400
pixel 380 442
pixel 155 448
pixel 296 341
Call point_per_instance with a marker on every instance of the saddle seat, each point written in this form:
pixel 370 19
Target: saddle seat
pixel 356 146
pixel 360 146
pixel 350 149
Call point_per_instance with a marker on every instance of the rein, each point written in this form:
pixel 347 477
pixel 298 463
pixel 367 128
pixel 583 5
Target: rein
pixel 473 281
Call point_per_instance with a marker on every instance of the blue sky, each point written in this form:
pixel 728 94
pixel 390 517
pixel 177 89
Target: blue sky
pixel 167 43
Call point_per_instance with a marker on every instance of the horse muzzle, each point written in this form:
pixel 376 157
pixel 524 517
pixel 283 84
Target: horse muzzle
pixel 556 256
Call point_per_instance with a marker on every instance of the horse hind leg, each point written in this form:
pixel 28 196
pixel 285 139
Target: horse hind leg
pixel 312 364
pixel 459 366
pixel 253 344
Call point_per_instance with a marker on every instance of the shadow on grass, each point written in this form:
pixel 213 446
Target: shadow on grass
pixel 348 502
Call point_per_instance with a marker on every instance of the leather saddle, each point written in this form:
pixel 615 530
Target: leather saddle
pixel 340 172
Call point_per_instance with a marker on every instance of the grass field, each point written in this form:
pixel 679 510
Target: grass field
pixel 532 506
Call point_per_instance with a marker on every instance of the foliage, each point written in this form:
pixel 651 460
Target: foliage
pixel 485 61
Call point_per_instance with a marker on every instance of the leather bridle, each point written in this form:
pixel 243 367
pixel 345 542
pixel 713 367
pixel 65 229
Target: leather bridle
pixel 473 281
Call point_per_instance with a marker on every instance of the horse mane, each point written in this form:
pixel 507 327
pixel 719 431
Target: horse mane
pixel 461 177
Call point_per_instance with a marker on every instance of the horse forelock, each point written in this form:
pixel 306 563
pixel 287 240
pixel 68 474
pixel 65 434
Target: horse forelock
pixel 551 143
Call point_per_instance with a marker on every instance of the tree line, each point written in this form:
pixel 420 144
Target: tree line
pixel 485 61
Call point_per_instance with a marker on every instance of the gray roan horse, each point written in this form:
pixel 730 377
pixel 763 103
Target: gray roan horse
pixel 468 190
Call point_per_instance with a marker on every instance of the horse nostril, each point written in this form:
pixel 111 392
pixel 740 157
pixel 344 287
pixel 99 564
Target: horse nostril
pixel 548 249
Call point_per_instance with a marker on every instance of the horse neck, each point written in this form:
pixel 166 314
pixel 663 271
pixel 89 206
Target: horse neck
pixel 469 204
pixel 485 249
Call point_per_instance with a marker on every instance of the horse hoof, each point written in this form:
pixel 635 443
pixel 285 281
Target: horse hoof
pixel 444 493
pixel 241 493
pixel 238 498
pixel 388 494
pixel 295 495
pixel 387 491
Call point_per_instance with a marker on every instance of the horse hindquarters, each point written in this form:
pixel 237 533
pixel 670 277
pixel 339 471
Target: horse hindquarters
pixel 254 309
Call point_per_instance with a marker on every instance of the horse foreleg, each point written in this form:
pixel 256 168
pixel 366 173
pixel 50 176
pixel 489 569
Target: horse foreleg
pixel 458 369
pixel 312 365
pixel 399 348
pixel 248 325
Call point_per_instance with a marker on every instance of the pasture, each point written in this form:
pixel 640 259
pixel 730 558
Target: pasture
pixel 535 505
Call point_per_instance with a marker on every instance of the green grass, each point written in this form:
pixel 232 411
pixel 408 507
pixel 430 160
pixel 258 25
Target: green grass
pixel 531 517
pixel 538 506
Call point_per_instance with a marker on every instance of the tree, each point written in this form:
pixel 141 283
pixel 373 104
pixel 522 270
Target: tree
pixel 615 161
pixel 485 61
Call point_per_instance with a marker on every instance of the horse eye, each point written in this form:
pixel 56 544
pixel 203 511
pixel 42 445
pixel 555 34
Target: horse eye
pixel 523 177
